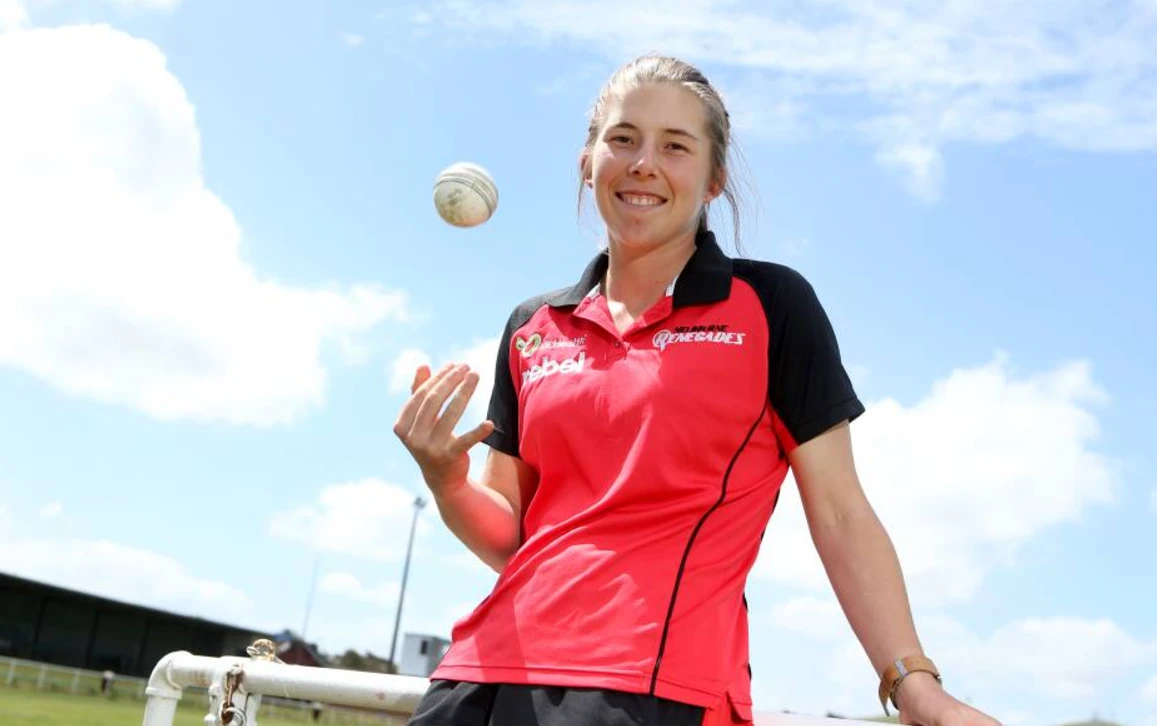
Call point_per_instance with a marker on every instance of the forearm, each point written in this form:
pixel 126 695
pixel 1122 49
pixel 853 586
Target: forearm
pixel 482 519
pixel 865 573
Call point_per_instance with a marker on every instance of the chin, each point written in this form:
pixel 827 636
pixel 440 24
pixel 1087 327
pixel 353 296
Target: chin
pixel 643 239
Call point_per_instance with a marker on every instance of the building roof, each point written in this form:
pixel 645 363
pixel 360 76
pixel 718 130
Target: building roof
pixel 59 590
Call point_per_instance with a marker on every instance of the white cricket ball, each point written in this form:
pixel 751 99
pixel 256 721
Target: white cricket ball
pixel 465 195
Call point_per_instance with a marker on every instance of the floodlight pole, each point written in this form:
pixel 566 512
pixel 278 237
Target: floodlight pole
pixel 419 503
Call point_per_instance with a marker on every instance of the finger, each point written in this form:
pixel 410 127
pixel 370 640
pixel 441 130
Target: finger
pixel 409 413
pixel 474 436
pixel 435 398
pixel 420 376
pixel 457 406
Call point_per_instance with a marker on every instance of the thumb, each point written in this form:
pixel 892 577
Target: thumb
pixel 474 436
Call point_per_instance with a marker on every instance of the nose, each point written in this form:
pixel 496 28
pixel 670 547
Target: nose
pixel 644 161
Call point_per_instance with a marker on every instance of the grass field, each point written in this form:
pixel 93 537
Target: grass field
pixel 19 707
pixel 31 708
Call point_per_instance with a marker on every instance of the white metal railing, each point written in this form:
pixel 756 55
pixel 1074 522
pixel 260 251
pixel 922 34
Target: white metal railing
pixel 45 676
pixel 236 687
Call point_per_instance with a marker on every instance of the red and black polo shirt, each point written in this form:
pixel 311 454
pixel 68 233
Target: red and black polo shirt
pixel 660 453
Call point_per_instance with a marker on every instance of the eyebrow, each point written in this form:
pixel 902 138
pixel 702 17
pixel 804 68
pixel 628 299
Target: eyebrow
pixel 673 131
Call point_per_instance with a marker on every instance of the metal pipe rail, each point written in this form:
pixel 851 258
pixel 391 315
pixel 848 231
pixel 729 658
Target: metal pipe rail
pixel 236 685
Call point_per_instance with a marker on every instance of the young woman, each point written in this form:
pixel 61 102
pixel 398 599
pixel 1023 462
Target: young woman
pixel 641 424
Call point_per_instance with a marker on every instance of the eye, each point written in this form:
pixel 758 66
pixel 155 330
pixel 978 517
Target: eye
pixel 677 146
pixel 620 139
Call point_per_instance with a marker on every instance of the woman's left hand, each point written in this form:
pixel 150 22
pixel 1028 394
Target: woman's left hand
pixel 924 703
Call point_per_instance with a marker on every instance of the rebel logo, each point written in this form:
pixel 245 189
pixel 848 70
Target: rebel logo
pixel 549 367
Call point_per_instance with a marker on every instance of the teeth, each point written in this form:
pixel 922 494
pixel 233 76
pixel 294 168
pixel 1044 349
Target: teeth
pixel 640 200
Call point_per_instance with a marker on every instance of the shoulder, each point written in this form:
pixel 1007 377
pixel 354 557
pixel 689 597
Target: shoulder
pixel 776 284
pixel 521 314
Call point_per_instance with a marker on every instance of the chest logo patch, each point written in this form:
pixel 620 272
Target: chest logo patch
pixel 527 346
pixel 718 334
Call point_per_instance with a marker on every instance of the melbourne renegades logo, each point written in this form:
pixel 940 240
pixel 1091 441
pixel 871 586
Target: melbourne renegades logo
pixel 718 334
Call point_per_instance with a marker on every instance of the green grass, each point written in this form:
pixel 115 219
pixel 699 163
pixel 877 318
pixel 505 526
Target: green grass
pixel 19 707
pixel 27 676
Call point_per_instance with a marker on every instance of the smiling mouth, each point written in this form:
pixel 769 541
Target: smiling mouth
pixel 642 201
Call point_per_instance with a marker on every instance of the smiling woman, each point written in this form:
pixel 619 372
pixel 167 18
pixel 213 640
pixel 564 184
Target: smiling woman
pixel 625 497
pixel 706 139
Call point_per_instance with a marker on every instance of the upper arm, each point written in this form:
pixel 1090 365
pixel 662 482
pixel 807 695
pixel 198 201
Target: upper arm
pixel 809 390
pixel 510 477
pixel 825 474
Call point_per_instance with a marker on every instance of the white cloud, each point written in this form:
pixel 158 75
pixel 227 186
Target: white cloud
pixel 122 277
pixel 1148 691
pixel 986 461
pixel 814 617
pixel 346 585
pixel 148 4
pixel 859 373
pixel 467 561
pixel 908 76
pixel 404 366
pixel 13 15
pixel 336 635
pixel 352 40
pixel 1072 660
pixel 369 518
pixel 920 165
pixel 480 356
pixel 130 574
pixel 51 510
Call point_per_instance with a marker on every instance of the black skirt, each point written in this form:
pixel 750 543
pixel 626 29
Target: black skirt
pixel 454 703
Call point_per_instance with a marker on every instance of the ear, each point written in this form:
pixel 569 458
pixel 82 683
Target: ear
pixel 716 187
pixel 585 168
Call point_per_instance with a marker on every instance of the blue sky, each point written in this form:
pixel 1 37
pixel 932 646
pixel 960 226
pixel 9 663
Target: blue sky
pixel 219 262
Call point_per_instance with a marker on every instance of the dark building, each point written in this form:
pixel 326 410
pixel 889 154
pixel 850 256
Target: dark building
pixel 64 627
pixel 293 650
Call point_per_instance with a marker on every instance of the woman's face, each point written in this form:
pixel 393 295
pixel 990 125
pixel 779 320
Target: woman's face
pixel 650 166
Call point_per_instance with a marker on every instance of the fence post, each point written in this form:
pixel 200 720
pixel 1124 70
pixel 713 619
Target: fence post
pixel 11 672
pixel 40 678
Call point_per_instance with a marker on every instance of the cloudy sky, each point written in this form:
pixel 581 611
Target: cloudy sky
pixel 219 265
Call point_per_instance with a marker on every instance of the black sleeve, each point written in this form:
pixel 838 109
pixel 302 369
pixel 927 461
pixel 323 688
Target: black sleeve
pixel 503 409
pixel 808 387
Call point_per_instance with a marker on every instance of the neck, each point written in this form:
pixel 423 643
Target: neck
pixel 637 279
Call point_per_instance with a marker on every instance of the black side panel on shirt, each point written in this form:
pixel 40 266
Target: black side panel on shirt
pixel 809 389
pixel 503 408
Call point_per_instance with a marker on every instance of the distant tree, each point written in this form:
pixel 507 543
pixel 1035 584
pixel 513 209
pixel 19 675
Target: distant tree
pixel 355 661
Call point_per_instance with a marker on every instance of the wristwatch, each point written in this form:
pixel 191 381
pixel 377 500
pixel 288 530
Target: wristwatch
pixel 897 672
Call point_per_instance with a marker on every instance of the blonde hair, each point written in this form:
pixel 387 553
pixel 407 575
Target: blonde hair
pixel 665 69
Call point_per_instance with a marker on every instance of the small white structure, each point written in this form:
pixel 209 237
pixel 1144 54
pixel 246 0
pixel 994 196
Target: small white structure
pixel 421 654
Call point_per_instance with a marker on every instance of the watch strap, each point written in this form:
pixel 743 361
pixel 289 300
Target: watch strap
pixel 895 674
